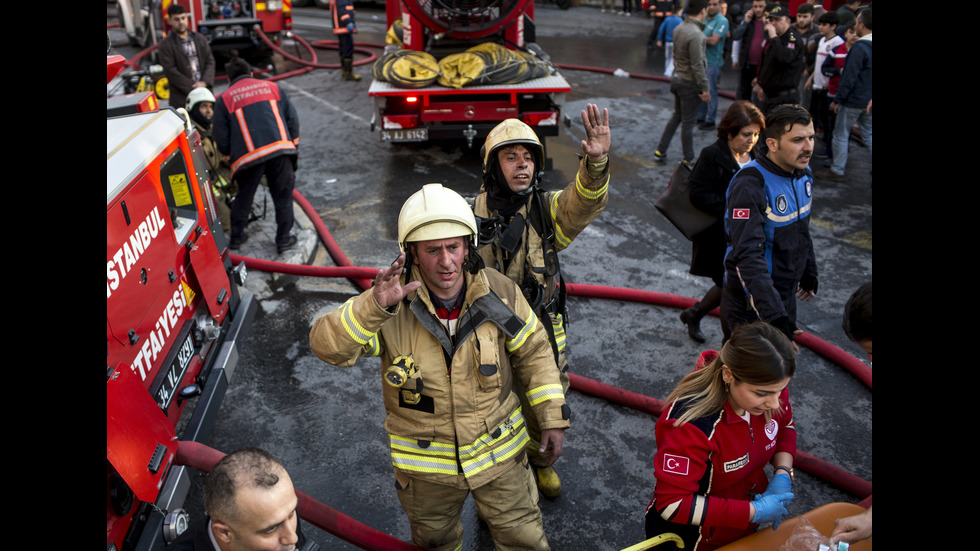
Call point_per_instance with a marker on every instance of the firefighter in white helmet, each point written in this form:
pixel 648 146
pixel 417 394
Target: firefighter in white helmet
pixel 454 340
pixel 200 107
pixel 522 229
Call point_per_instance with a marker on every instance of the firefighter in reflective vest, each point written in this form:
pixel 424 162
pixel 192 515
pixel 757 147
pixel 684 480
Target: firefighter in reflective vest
pixel 345 27
pixel 454 340
pixel 257 126
pixel 522 228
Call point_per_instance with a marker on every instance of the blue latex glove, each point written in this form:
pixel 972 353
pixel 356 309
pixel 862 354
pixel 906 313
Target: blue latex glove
pixel 350 27
pixel 780 484
pixel 771 508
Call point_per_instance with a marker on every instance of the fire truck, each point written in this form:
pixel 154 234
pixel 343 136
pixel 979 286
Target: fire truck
pixel 228 24
pixel 175 316
pixel 437 112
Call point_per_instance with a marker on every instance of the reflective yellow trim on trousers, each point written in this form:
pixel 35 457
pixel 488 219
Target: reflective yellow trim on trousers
pixel 484 453
pixel 530 325
pixel 547 392
pixel 356 331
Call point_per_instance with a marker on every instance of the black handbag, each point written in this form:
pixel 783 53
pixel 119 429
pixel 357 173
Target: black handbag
pixel 675 204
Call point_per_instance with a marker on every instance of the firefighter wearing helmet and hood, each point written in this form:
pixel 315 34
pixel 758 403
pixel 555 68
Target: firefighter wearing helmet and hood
pixel 200 107
pixel 455 340
pixel 522 229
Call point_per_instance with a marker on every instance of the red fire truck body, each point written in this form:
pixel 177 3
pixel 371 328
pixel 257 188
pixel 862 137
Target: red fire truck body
pixel 174 317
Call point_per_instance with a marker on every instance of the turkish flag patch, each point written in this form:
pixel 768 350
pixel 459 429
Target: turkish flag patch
pixel 740 214
pixel 676 464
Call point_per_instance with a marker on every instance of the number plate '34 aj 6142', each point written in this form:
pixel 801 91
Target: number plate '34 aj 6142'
pixel 405 135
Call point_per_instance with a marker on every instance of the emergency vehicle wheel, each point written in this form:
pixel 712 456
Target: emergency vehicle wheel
pixel 162 88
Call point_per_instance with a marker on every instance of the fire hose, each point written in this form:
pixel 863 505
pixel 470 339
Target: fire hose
pixel 309 65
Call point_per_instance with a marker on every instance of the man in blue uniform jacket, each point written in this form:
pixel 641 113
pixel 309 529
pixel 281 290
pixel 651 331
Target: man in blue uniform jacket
pixel 770 261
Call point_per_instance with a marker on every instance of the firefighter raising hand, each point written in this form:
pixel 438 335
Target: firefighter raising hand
pixel 388 289
pixel 597 136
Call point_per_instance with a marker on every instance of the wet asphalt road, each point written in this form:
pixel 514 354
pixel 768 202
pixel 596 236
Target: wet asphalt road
pixel 326 422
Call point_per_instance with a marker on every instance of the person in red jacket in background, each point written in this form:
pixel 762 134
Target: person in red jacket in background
pixel 256 125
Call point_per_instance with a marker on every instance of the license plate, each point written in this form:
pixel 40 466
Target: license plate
pixel 175 372
pixel 405 135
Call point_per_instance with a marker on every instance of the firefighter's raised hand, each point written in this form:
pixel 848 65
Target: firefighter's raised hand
pixel 597 136
pixel 388 289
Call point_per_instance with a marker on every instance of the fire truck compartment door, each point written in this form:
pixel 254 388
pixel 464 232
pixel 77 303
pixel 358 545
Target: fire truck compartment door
pixel 135 427
pixel 210 272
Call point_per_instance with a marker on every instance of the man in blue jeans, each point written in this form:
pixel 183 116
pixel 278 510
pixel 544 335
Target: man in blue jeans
pixel 715 31
pixel 690 82
pixel 853 101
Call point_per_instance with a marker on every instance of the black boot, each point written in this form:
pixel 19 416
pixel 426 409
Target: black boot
pixel 692 318
pixel 347 69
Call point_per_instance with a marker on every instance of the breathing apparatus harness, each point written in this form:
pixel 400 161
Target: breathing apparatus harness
pixel 403 368
pixel 507 236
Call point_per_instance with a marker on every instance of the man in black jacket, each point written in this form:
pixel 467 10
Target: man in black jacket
pixel 185 56
pixel 782 61
pixel 750 35
pixel 770 260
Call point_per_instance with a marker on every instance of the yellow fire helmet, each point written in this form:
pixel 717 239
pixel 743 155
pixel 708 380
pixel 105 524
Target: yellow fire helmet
pixel 511 132
pixel 435 212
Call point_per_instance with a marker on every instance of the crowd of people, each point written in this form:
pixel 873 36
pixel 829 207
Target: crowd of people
pixel 469 320
pixel 779 58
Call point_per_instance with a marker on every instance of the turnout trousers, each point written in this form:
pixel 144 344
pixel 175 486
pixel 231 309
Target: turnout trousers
pixel 508 504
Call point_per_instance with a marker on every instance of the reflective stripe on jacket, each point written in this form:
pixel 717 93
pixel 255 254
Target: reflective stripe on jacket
pixel 342 12
pixel 253 122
